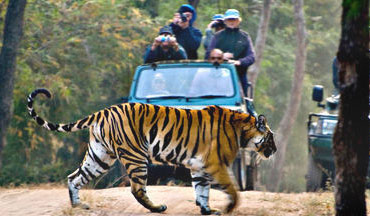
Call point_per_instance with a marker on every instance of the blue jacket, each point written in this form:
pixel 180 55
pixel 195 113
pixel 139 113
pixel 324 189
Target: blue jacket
pixel 237 42
pixel 188 38
pixel 160 55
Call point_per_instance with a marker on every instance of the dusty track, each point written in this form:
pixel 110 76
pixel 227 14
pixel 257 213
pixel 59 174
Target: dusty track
pixel 179 200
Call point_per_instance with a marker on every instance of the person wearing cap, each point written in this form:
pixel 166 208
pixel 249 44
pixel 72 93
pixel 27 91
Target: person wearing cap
pixel 186 35
pixel 217 23
pixel 236 45
pixel 164 47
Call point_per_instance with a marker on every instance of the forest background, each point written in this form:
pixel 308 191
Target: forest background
pixel 85 53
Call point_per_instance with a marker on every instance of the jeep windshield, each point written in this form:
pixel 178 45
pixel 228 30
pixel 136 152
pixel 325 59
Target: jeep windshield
pixel 185 82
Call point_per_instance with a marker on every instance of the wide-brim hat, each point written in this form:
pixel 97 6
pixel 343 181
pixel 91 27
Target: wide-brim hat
pixel 232 14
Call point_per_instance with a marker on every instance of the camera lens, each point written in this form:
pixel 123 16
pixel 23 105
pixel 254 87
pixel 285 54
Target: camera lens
pixel 183 17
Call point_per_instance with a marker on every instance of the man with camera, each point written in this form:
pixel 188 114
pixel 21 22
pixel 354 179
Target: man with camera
pixel 236 45
pixel 164 47
pixel 217 23
pixel 187 36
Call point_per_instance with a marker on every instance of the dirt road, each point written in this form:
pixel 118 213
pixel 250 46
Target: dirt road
pixel 179 200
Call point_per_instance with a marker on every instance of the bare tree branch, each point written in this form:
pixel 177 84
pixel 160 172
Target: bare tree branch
pixel 260 41
pixel 287 122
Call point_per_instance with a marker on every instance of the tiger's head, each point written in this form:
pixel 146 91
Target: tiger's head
pixel 258 138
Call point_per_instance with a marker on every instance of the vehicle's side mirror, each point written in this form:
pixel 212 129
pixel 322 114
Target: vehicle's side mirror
pixel 317 94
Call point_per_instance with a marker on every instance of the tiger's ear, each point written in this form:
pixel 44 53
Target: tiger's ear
pixel 261 123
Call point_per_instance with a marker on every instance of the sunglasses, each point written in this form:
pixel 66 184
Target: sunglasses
pixel 232 19
pixel 216 58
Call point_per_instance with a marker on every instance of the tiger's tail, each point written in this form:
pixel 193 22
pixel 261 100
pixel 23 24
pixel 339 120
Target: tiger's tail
pixel 70 127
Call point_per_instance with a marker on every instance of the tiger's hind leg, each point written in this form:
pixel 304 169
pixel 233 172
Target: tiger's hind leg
pixel 138 173
pixel 201 185
pixel 221 177
pixel 96 162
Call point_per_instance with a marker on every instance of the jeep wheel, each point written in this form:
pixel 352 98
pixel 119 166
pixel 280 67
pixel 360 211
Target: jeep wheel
pixel 244 175
pixel 251 177
pixel 314 177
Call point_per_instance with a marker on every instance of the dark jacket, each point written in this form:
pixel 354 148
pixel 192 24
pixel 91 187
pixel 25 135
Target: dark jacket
pixel 188 38
pixel 160 55
pixel 237 42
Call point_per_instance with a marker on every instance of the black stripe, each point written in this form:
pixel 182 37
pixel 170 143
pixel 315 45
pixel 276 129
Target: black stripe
pixel 204 132
pixel 211 121
pixel 52 126
pixel 153 132
pixel 83 174
pixel 169 156
pixel 167 139
pixel 91 119
pixel 39 120
pixel 195 149
pixel 122 152
pixel 106 113
pixel 190 121
pixel 226 161
pixel 218 135
pixel 135 162
pixel 225 132
pixel 141 128
pixel 183 156
pixel 179 132
pixel 133 131
pixel 199 113
pixel 33 113
pixel 66 127
pixel 119 126
pixel 90 173
pixel 156 149
pixel 88 152
pixel 81 122
pixel 101 163
pixel 165 122
pixel 132 105
pixel 156 108
pixel 177 112
pixel 147 110
pixel 179 147
pixel 247 119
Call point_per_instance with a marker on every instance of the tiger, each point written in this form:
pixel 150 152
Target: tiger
pixel 206 141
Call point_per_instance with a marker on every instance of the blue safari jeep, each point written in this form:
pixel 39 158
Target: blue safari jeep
pixel 195 85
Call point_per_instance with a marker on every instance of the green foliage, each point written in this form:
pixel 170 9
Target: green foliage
pixel 85 53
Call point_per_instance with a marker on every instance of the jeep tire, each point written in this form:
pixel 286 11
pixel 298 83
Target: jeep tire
pixel 314 177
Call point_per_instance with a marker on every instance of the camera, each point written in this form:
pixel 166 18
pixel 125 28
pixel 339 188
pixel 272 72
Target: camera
pixel 218 24
pixel 165 38
pixel 183 17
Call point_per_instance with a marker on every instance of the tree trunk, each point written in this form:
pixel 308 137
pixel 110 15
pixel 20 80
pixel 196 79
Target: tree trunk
pixel 194 3
pixel 287 122
pixel 351 137
pixel 260 41
pixel 13 29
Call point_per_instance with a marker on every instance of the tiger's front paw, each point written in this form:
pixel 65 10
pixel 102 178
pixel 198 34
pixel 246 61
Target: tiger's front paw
pixel 159 209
